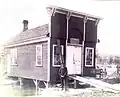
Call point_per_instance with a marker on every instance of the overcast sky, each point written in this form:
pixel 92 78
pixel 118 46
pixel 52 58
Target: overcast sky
pixel 13 12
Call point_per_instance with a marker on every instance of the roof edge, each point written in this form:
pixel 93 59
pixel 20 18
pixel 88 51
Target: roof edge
pixel 72 11
pixel 27 42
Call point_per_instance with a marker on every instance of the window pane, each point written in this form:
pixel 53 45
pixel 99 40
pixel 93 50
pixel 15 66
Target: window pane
pixel 13 56
pixel 39 54
pixel 89 56
pixel 56 55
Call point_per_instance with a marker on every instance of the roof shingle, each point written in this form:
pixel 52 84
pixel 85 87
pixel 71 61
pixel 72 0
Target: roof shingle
pixel 29 34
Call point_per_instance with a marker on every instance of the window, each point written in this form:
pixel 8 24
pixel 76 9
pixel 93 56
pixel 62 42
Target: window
pixel 89 56
pixel 38 55
pixel 56 57
pixel 13 56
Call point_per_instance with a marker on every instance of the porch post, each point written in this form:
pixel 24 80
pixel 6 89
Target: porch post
pixel 97 21
pixel 83 44
pixel 67 17
pixel 36 86
pixel 51 13
pixel 20 80
pixel 75 83
pixel 46 84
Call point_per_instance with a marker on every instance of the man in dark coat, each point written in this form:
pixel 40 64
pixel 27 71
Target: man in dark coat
pixel 63 76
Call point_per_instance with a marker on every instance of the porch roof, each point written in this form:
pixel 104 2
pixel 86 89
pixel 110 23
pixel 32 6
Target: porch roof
pixel 73 13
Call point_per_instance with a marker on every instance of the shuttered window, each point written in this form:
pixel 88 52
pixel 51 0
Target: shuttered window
pixel 38 55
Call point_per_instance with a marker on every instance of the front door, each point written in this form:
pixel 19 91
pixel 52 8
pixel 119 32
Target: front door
pixel 73 59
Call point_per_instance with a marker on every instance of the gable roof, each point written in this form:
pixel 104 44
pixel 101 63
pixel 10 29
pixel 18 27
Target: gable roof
pixel 29 34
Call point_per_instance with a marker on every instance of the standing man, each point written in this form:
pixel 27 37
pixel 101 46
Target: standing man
pixel 63 76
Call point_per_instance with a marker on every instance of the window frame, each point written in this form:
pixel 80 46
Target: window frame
pixel 41 47
pixel 13 58
pixel 53 55
pixel 92 56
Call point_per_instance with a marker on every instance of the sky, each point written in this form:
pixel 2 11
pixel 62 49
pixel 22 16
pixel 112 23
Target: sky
pixel 13 12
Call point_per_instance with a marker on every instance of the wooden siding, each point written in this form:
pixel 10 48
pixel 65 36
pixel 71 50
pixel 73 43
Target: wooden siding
pixel 58 31
pixel 27 63
pixel 87 70
pixel 91 40
pixel 91 31
pixel 54 70
pixel 58 26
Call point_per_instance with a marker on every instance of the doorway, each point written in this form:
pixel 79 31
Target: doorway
pixel 73 59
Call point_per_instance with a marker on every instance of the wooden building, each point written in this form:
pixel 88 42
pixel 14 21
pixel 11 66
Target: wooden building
pixel 32 54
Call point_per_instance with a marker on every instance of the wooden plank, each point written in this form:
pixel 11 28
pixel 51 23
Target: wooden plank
pixel 97 83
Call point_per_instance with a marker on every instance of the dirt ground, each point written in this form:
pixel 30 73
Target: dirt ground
pixel 10 91
pixel 89 92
